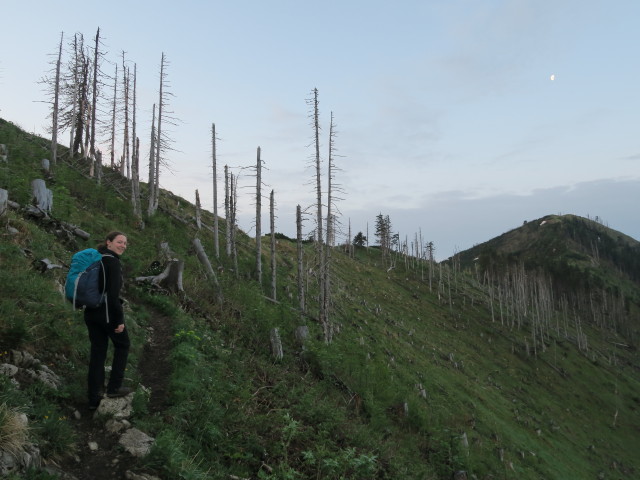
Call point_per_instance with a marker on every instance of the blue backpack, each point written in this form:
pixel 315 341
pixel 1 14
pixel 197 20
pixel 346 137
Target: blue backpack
pixel 82 287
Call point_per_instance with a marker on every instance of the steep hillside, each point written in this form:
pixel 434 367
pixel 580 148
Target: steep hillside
pixel 433 372
pixel 584 262
pixel 585 251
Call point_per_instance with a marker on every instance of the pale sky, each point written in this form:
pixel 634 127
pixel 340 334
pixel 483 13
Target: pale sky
pixel 459 119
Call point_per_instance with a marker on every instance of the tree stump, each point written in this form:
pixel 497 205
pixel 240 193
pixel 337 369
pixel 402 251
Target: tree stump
pixel 42 195
pixel 276 344
pixel 170 279
pixel 301 333
pixel 4 200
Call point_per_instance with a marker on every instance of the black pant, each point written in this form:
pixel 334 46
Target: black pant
pixel 99 334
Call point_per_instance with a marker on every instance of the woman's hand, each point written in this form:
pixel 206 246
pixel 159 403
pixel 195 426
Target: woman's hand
pixel 120 328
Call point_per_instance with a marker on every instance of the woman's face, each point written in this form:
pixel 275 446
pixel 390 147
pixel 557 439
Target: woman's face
pixel 118 244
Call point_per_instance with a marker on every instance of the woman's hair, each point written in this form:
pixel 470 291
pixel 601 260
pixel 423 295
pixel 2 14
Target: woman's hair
pixel 110 237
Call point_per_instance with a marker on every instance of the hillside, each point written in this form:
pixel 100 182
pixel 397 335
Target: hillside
pixel 436 371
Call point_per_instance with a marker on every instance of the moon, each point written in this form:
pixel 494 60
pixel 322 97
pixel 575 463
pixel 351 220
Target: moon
pixel 552 77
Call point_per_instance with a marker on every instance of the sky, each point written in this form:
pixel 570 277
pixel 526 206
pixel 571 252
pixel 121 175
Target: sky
pixel 460 119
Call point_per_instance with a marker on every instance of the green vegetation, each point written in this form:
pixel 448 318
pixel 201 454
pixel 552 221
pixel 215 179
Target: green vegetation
pixel 419 382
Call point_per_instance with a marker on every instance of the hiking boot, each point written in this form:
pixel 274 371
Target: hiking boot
pixel 121 392
pixel 94 405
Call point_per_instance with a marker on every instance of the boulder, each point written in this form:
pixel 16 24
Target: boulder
pixel 136 442
pixel 118 408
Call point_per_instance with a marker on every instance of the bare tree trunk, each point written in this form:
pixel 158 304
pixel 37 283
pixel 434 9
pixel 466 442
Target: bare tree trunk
pixel 124 167
pixel 94 95
pixel 233 202
pixel 326 271
pixel 170 278
pixel 135 182
pixel 98 166
pixel 319 230
pixel 152 164
pixel 276 344
pixel 258 218
pixel 301 299
pixel 43 197
pixel 204 260
pixel 56 95
pixel 4 200
pixel 135 160
pixel 216 240
pixel 159 140
pixel 272 223
pixel 75 99
pixel 81 114
pixel 350 250
pixel 227 211
pixel 198 213
pixel 114 108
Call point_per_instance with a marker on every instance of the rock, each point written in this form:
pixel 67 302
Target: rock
pixel 23 459
pixel 8 370
pixel 23 359
pixel 8 463
pixel 45 376
pixel 23 419
pixel 136 442
pixel 118 408
pixel 117 425
pixel 93 446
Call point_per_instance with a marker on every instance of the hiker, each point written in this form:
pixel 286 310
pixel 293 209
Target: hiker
pixel 107 322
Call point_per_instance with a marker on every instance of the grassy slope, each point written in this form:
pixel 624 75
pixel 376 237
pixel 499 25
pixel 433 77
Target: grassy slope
pixel 329 410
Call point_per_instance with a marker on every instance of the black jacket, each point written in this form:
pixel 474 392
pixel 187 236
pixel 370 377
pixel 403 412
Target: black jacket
pixel 111 282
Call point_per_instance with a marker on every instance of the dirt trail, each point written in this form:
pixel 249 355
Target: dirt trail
pixel 110 461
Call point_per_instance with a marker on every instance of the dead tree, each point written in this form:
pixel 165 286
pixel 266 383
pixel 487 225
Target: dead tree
pixel 216 240
pixel 82 112
pixel 125 165
pixel 52 87
pixel 42 196
pixel 204 260
pixel 135 181
pixel 4 200
pixel 315 122
pixel 94 94
pixel 163 142
pixel 135 160
pixel 152 164
pixel 326 271
pixel 114 109
pixel 54 127
pixel 276 344
pixel 232 210
pixel 161 104
pixel 98 166
pixel 198 211
pixel 72 93
pixel 170 279
pixel 272 223
pixel 227 211
pixel 301 299
pixel 259 218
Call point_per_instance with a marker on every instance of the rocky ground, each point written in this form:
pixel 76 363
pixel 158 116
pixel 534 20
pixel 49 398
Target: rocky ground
pixel 100 454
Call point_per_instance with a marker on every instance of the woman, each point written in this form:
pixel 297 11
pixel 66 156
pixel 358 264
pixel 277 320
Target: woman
pixel 107 322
